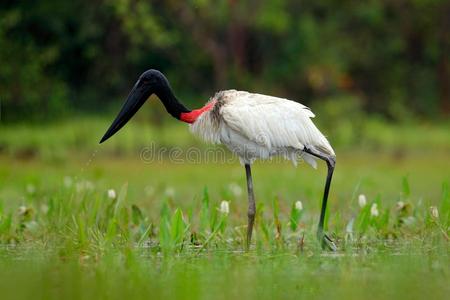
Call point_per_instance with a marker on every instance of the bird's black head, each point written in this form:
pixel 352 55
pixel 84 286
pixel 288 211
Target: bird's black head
pixel 150 82
pixel 153 79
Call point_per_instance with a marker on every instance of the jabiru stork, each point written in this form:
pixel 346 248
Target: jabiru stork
pixel 252 126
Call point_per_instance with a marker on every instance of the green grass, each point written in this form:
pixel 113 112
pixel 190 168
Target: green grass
pixel 57 142
pixel 164 235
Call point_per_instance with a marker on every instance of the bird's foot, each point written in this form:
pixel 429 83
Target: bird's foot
pixel 326 242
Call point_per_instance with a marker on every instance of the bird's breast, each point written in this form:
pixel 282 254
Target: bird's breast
pixel 205 122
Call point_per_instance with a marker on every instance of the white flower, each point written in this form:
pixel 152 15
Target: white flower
pixel 170 192
pixel 400 205
pixel 235 189
pixel 434 212
pixel 409 220
pixel 224 207
pixel 299 205
pixel 68 181
pixel 374 210
pixel 22 210
pixel 111 194
pixel 32 226
pixel 362 201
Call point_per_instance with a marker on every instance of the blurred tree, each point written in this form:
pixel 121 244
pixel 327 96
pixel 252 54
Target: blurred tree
pixel 26 92
pixel 390 56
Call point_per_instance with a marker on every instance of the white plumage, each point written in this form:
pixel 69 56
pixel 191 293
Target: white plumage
pixel 256 126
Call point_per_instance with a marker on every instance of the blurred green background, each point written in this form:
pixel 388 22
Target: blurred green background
pixel 376 73
pixel 386 58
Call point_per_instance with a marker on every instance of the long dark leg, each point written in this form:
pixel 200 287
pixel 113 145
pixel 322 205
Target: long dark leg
pixel 251 204
pixel 331 162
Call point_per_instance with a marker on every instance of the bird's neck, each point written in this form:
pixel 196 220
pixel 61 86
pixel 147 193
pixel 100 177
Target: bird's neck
pixel 192 116
pixel 173 106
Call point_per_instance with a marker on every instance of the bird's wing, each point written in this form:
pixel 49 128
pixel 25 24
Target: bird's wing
pixel 273 122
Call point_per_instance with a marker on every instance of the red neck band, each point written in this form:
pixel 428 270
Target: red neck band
pixel 191 117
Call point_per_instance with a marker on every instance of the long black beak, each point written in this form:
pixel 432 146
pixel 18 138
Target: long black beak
pixel 137 97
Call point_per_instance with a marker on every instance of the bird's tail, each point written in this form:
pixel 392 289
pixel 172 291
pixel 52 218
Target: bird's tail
pixel 320 143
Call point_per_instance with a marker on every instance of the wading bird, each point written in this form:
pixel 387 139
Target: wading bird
pixel 251 125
